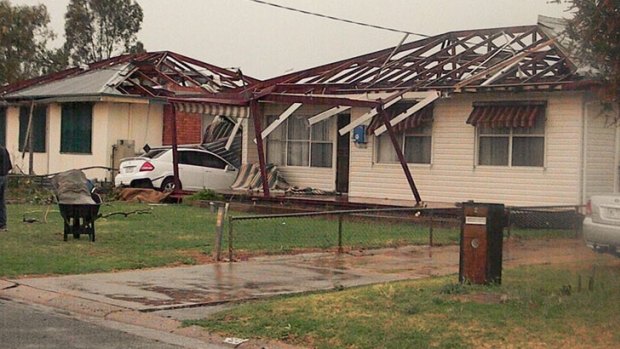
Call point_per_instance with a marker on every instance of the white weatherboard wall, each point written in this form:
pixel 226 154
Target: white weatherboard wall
pixel 453 175
pixel 111 121
pixel 249 151
pixel 601 150
pixel 142 123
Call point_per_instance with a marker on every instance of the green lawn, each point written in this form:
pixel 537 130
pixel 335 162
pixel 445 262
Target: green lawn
pixel 535 307
pixel 182 234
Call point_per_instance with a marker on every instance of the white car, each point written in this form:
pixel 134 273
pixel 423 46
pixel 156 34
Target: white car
pixel 198 169
pixel 601 227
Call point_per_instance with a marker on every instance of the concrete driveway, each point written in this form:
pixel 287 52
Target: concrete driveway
pixel 190 286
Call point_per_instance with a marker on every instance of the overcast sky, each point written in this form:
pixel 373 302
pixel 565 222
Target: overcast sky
pixel 265 41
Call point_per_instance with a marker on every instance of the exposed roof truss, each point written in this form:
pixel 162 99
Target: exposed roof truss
pixel 443 62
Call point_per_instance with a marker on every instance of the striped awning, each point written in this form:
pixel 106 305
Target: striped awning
pixel 424 115
pixel 233 111
pixel 510 114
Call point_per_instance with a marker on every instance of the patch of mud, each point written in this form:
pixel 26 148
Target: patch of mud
pixel 482 298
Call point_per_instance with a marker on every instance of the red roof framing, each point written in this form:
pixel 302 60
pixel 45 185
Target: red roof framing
pixel 500 58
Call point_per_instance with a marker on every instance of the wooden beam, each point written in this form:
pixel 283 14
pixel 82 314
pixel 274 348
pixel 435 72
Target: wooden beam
pixel 367 116
pixel 399 154
pixel 431 97
pixel 288 112
pixel 317 100
pixel 256 115
pixel 231 138
pixel 327 114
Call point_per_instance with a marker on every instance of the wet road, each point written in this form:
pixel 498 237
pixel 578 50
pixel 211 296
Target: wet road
pixel 25 326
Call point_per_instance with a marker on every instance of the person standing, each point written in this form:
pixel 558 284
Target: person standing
pixel 5 167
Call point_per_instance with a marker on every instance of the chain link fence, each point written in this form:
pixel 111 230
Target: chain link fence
pixel 549 220
pixel 342 230
pixel 350 230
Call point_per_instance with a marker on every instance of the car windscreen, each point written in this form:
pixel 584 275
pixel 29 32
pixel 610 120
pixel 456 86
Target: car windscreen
pixel 154 153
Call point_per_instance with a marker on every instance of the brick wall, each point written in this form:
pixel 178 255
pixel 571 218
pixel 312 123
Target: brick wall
pixel 189 127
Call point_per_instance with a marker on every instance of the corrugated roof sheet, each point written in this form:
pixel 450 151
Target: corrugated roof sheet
pixel 96 82
pixel 556 28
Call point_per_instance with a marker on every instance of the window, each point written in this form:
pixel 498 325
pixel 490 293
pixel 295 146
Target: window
pixel 198 158
pixel 295 143
pixel 3 127
pixel 38 131
pixel 190 158
pixel 514 146
pixel 417 145
pixel 76 128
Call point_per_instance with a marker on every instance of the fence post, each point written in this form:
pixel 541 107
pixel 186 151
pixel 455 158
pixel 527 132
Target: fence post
pixel 430 230
pixel 509 222
pixel 221 209
pixel 340 249
pixel 578 224
pixel 230 239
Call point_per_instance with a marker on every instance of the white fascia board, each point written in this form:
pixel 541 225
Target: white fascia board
pixel 431 97
pixel 327 114
pixel 288 112
pixel 366 117
pixel 231 138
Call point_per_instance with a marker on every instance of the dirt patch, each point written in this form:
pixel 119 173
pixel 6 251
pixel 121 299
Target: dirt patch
pixel 198 257
pixel 482 298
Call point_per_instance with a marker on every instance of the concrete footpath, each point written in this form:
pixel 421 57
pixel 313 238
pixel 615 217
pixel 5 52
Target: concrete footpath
pixel 159 299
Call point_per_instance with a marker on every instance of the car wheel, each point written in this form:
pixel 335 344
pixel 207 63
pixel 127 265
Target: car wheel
pixel 167 185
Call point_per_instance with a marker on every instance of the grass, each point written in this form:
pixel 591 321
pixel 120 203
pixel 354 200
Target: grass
pixel 170 235
pixel 181 234
pixel 535 307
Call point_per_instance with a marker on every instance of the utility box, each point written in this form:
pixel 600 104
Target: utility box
pixel 481 243
pixel 359 134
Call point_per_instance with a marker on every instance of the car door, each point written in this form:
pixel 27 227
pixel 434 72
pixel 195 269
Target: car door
pixel 191 171
pixel 218 174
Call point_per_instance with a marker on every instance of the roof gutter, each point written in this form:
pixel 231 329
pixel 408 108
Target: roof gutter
pixel 83 98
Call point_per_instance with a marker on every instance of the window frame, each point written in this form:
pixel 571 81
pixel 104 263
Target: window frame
pixel 512 133
pixel 282 135
pixel 75 113
pixel 402 139
pixel 39 112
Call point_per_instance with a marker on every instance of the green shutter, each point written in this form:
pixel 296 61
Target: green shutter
pixel 76 128
pixel 39 125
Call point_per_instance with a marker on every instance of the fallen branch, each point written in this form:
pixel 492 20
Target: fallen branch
pixel 144 211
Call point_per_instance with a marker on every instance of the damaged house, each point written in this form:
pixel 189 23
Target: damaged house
pixel 94 115
pixel 492 115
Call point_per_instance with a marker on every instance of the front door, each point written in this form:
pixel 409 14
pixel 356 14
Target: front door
pixel 342 155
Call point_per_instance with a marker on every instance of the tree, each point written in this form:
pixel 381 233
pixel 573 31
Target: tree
pixel 595 26
pixel 24 34
pixel 98 29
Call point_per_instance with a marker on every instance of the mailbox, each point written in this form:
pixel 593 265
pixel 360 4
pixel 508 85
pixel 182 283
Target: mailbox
pixel 481 243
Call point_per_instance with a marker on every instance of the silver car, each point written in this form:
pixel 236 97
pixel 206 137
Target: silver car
pixel 601 228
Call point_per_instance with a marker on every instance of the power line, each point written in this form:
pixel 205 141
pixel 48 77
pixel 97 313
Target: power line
pixel 338 18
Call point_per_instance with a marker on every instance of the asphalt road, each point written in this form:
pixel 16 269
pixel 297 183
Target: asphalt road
pixel 25 326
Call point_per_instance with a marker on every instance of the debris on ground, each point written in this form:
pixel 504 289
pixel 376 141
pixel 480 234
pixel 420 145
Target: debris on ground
pixel 141 195
pixel 137 212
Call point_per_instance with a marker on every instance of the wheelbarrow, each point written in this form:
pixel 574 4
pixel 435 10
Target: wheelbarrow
pixel 80 218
